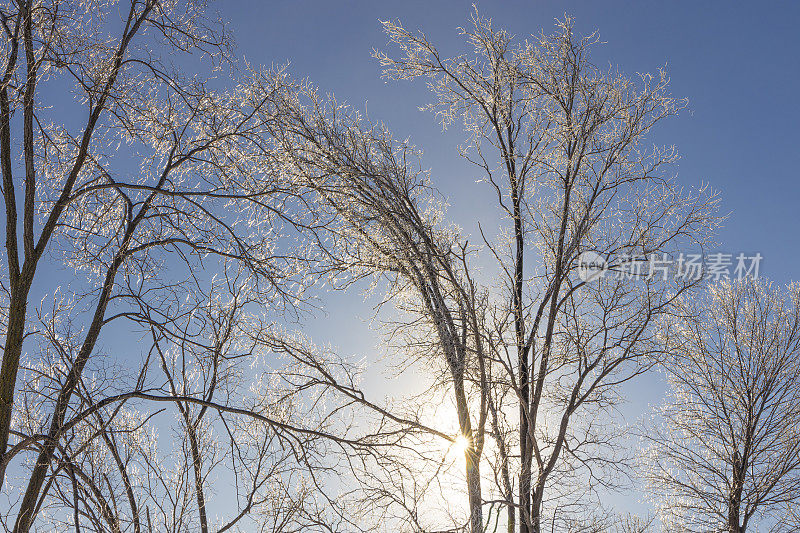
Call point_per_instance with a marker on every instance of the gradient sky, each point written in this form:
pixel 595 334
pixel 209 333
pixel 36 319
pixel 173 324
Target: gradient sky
pixel 737 65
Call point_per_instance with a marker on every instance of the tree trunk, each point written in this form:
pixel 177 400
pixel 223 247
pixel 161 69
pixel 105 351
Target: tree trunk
pixel 733 514
pixel 28 507
pixel 525 443
pixel 10 366
pixel 470 454
pixel 525 491
pixel 197 467
pixel 474 490
pixel 735 497
pixel 536 510
pixel 733 522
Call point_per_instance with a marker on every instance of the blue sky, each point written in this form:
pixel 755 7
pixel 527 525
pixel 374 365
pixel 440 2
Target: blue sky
pixel 737 64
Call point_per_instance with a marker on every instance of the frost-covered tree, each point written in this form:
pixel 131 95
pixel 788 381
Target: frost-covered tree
pixel 727 455
pixel 387 226
pixel 207 437
pixel 130 188
pixel 562 145
pixel 195 218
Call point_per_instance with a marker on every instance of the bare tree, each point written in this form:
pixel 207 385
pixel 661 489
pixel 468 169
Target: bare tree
pixel 561 144
pixel 115 472
pixel 727 456
pixel 167 187
pixel 197 218
pixel 164 185
pixel 386 227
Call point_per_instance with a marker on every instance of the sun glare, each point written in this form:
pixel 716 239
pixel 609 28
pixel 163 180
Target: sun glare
pixel 460 445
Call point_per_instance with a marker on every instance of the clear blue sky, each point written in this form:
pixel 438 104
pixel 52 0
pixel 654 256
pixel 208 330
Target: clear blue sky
pixel 737 64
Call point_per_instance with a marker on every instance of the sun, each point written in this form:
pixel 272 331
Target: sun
pixel 447 422
pixel 460 445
